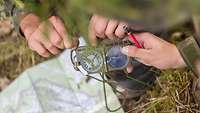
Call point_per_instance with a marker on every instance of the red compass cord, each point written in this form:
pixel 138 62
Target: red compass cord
pixel 132 37
pixel 134 40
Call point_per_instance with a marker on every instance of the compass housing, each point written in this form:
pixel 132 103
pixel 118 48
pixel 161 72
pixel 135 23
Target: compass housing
pixel 104 58
pixel 90 59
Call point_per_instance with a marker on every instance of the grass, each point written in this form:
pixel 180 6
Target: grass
pixel 15 57
pixel 172 92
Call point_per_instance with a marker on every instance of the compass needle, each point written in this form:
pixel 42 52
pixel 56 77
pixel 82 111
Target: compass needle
pixel 92 60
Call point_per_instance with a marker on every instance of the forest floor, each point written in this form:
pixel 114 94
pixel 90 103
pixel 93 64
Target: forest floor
pixel 172 92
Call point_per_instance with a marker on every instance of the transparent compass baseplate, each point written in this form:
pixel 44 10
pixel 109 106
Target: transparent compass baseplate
pixel 106 57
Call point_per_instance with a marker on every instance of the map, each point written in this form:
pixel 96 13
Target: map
pixel 55 87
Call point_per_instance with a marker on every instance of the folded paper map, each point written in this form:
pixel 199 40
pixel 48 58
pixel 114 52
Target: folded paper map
pixel 55 87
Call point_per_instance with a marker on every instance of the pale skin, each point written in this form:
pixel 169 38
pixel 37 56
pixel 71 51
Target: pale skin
pixel 156 52
pixel 102 27
pixel 34 31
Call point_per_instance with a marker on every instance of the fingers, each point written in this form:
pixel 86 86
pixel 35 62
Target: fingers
pixel 48 36
pixel 55 39
pixel 142 55
pixel 61 31
pixel 148 40
pixel 54 36
pixel 110 30
pixel 28 27
pixel 100 26
pixel 147 37
pixel 37 46
pixel 119 32
pixel 91 30
pixel 157 52
pixel 39 36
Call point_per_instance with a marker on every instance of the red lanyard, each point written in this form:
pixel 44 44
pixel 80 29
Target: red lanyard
pixel 132 37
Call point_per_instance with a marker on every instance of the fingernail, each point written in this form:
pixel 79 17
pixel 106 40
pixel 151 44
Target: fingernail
pixel 46 55
pixel 124 50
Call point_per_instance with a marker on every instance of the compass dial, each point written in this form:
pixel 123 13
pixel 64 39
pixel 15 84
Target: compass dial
pixel 91 61
pixel 116 59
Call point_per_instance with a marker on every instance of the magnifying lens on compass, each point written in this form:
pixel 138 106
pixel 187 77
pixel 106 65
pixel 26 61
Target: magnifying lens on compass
pixel 115 59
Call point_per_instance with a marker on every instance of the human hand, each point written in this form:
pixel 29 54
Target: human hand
pixel 101 27
pixel 156 52
pixel 47 37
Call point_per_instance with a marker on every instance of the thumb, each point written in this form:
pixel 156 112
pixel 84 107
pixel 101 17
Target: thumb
pixel 135 52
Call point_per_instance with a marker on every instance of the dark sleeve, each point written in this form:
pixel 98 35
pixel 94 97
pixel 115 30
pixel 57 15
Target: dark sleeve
pixel 190 52
pixel 14 11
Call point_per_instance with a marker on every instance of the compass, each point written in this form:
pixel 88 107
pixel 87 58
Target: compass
pixel 103 58
pixel 91 60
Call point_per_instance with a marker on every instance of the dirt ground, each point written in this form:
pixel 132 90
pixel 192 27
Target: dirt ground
pixel 171 93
